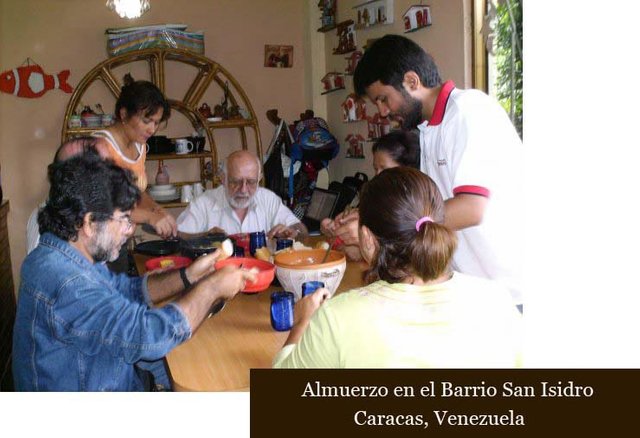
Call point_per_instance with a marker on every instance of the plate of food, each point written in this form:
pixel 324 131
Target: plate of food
pixel 168 263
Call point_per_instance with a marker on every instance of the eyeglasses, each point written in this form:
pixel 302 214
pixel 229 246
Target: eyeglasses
pixel 126 220
pixel 237 183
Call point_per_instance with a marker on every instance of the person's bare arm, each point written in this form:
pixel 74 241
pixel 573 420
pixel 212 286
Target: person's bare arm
pixel 223 284
pixel 304 310
pixel 214 230
pixel 164 285
pixel 464 210
pixel 147 211
pixel 296 231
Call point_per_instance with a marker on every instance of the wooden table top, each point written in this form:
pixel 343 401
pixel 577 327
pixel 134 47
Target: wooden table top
pixel 226 346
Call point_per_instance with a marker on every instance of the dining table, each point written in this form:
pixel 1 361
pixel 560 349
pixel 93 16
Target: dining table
pixel 223 350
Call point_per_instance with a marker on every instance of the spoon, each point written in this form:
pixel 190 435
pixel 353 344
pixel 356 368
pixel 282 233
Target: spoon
pixel 326 254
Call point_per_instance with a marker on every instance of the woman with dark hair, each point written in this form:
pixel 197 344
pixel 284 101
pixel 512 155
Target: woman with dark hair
pixel 140 109
pixel 397 148
pixel 415 311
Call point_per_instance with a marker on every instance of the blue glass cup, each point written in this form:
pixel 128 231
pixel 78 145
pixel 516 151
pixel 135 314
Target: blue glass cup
pixel 257 240
pixel 238 251
pixel 309 287
pixel 282 310
pixel 283 243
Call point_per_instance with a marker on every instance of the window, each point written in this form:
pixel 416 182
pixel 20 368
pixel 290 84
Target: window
pixel 498 53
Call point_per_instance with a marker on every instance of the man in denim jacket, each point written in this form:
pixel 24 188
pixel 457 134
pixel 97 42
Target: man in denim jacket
pixel 80 327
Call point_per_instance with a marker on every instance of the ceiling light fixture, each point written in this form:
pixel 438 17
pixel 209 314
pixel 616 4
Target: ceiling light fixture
pixel 129 8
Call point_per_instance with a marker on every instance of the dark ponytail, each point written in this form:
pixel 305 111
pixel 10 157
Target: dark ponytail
pixel 390 206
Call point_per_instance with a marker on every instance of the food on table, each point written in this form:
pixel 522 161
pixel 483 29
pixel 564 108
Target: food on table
pixel 297 246
pixel 227 249
pixel 263 254
pixel 322 245
pixel 166 263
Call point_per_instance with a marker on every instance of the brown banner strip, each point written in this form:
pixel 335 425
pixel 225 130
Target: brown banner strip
pixel 442 403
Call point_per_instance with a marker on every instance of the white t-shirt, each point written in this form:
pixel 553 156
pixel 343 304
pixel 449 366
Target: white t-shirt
pixel 471 146
pixel 212 209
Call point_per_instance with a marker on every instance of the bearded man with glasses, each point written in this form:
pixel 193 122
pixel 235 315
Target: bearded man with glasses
pixel 80 326
pixel 239 205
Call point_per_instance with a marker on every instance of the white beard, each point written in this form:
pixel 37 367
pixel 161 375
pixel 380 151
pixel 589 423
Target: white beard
pixel 234 203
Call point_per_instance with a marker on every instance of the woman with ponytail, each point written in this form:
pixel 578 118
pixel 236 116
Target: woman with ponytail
pixel 415 311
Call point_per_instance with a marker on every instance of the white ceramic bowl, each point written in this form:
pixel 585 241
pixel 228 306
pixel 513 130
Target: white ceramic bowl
pixel 296 267
pixel 162 189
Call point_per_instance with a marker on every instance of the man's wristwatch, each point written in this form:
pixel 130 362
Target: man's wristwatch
pixel 183 275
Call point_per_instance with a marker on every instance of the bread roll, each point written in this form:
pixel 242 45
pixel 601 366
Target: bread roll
pixel 227 249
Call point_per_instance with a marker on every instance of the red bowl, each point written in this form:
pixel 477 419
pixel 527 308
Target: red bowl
pixel 156 263
pixel 265 276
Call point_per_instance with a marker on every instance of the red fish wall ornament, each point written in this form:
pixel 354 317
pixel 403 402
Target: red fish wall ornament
pixel 31 81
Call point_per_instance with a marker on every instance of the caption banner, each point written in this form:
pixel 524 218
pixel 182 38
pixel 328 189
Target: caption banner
pixel 496 403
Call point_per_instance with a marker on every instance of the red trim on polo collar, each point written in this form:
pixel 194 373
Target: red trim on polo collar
pixel 471 190
pixel 441 103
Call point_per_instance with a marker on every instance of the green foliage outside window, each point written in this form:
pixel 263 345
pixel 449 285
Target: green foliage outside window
pixel 508 56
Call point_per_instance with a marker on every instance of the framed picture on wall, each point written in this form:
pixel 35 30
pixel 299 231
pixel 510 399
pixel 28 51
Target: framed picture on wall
pixel 278 56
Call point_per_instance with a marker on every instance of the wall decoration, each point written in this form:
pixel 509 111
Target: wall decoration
pixel 378 126
pixel 332 81
pixel 328 8
pixel 417 17
pixel 354 109
pixel 356 146
pixel 31 81
pixel 374 12
pixel 352 62
pixel 278 56
pixel 346 38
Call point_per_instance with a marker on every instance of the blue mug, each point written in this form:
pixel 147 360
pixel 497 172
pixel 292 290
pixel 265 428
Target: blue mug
pixel 283 243
pixel 282 310
pixel 257 240
pixel 309 287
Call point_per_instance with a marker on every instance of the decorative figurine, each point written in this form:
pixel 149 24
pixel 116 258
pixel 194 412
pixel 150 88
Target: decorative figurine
pixel 205 111
pixel 417 17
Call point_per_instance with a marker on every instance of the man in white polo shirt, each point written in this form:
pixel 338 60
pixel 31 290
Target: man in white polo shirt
pixel 469 147
pixel 239 205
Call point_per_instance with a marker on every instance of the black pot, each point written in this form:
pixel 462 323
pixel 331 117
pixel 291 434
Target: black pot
pixel 158 247
pixel 197 246
pixel 159 144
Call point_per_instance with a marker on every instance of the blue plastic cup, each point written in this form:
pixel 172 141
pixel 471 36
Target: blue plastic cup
pixel 283 243
pixel 257 240
pixel 282 310
pixel 309 287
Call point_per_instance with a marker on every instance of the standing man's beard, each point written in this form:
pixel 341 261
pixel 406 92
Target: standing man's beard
pixel 103 248
pixel 411 111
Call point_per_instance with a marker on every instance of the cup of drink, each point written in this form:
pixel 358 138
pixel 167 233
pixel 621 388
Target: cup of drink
pixel 282 310
pixel 257 240
pixel 309 287
pixel 283 243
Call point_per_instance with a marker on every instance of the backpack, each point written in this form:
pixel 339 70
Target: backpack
pixel 312 142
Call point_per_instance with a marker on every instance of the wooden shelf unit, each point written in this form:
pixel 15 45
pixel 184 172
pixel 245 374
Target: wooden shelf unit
pixel 209 73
